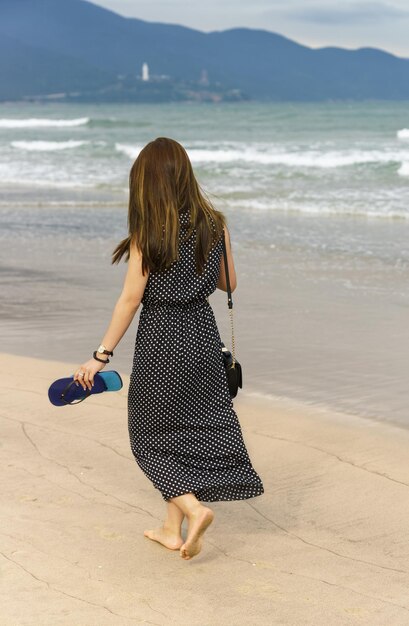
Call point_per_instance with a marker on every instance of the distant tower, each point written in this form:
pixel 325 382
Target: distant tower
pixel 204 78
pixel 145 72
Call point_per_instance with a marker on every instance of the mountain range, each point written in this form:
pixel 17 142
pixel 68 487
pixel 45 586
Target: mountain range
pixel 60 46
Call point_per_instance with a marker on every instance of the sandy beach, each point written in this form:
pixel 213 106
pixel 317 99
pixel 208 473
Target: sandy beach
pixel 318 216
pixel 316 198
pixel 325 544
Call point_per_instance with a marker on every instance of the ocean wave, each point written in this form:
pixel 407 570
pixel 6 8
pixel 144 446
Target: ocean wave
pixel 403 133
pixel 307 159
pixel 113 122
pixel 301 159
pixel 35 122
pixel 44 203
pixel 404 169
pixel 47 146
pixel 43 183
pixel 318 209
pixel 127 149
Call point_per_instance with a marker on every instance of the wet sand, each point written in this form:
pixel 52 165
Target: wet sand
pixel 323 325
pixel 325 544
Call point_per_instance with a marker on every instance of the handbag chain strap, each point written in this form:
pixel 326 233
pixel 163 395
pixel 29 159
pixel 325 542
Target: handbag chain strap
pixel 229 298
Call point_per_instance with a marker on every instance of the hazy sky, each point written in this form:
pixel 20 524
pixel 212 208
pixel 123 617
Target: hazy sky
pixel 316 23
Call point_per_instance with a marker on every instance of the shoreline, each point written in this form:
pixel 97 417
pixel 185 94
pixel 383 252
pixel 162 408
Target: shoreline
pixel 325 543
pixel 265 403
pixel 262 399
pixel 323 326
pixel 258 396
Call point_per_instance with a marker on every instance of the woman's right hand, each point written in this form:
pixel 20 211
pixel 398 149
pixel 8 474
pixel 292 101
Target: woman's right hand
pixel 90 368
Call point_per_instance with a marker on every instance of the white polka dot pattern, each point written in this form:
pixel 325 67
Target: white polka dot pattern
pixel 184 432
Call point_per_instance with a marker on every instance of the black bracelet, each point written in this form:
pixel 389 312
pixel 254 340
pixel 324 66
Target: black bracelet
pixel 100 360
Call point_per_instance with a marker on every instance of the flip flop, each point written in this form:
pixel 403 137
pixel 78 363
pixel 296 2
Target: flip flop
pixel 64 390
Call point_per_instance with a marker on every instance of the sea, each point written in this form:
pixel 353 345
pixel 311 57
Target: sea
pixel 316 198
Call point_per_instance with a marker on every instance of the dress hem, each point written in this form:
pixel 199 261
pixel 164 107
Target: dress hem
pixel 206 495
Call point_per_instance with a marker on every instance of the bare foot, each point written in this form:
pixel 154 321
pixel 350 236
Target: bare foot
pixel 198 522
pixel 167 538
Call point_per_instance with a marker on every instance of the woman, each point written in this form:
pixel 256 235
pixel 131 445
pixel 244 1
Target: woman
pixel 184 432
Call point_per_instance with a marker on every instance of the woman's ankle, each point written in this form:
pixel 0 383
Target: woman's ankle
pixel 172 529
pixel 197 510
pixel 189 504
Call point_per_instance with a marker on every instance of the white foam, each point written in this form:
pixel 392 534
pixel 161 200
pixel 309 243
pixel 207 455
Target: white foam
pixel 307 159
pixel 127 149
pixel 404 169
pixel 34 122
pixel 43 183
pixel 46 146
pixel 39 175
pixel 403 133
pixel 300 159
pixel 196 156
pixel 285 206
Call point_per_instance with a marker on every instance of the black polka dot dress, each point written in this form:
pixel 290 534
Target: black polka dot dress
pixel 184 432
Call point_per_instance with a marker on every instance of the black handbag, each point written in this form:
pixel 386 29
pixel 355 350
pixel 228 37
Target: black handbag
pixel 231 365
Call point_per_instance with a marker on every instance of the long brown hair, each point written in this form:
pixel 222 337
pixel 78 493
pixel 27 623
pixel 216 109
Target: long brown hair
pixel 162 183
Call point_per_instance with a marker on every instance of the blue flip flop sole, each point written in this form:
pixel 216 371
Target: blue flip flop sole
pixel 64 391
pixel 112 380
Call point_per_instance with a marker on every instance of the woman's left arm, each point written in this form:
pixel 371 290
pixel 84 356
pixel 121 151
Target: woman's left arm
pixel 122 316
